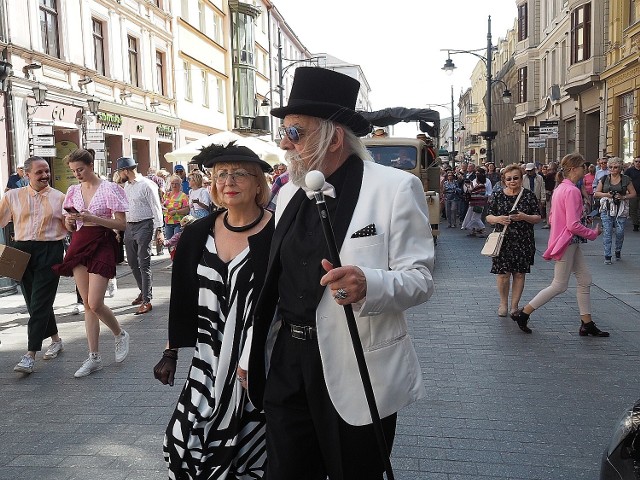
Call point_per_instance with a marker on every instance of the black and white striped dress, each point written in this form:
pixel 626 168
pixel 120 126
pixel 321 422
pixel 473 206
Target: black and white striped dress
pixel 215 432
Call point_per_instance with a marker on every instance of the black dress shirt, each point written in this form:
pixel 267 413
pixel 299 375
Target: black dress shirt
pixel 303 248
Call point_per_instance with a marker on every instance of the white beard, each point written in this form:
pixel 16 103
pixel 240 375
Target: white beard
pixel 297 169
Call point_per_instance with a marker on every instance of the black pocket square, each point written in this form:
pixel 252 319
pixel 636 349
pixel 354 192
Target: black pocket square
pixel 367 231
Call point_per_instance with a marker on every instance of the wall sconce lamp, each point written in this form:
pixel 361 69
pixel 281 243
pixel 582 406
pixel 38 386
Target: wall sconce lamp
pixel 125 95
pixel 94 105
pixel 28 70
pixel 40 95
pixel 5 70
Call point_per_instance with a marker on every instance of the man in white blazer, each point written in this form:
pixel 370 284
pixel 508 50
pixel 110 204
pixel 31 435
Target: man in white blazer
pixel 302 368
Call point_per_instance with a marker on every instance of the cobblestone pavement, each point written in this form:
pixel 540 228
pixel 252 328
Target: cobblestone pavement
pixel 499 404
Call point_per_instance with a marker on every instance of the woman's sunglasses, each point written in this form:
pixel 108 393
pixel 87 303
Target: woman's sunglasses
pixel 511 179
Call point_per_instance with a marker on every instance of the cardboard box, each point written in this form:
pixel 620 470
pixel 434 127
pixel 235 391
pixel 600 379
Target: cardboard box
pixel 13 262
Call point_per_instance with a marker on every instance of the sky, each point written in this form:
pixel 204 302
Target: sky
pixel 397 43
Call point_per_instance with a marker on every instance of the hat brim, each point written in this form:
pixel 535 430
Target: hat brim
pixel 128 167
pixel 264 166
pixel 328 111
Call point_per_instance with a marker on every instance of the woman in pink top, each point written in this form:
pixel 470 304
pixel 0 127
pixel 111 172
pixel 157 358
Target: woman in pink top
pixel 566 235
pixel 94 209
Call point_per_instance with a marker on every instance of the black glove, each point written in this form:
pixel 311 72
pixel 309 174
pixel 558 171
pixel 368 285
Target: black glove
pixel 165 370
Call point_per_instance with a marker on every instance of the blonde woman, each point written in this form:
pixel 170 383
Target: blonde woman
pixel 199 199
pixel 219 269
pixel 567 234
pixel 519 245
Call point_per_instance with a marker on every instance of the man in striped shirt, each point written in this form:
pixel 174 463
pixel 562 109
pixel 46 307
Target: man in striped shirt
pixel 36 212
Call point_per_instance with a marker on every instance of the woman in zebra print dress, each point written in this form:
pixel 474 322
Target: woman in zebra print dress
pixel 219 267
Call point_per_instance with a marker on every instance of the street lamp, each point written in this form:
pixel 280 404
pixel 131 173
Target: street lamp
pixel 452 152
pixel 94 104
pixel 449 66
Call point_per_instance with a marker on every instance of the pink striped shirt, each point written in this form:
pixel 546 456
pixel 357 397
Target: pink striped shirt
pixel 37 216
pixel 109 198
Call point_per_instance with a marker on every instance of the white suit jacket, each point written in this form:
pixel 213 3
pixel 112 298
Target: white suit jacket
pixel 397 264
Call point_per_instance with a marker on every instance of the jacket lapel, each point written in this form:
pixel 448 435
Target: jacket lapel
pixel 348 200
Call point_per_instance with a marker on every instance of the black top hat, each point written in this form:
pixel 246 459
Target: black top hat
pixel 126 163
pixel 232 153
pixel 323 93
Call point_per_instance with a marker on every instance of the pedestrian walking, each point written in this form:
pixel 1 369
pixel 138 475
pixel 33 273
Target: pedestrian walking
pixel 518 209
pixel 614 191
pixel 95 208
pixel 313 398
pixel 633 172
pixel 219 268
pixel 568 231
pixel 36 211
pixel 144 219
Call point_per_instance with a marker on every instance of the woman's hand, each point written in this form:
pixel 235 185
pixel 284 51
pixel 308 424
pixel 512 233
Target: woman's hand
pixel 241 376
pixel 504 219
pixel 165 370
pixel 70 223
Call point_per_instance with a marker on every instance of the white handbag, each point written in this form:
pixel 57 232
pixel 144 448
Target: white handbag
pixel 493 243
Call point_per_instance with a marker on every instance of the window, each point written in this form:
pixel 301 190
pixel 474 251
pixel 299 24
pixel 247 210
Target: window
pixel 522 85
pixel 632 12
pixel 202 17
pixel 205 89
pixel 134 77
pixel 627 143
pixel 217 27
pixel 160 72
pixel 49 27
pixel 188 95
pixel 522 22
pixel 184 10
pixel 98 46
pixel 581 33
pixel 220 94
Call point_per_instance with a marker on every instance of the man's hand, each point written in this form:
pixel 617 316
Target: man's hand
pixel 241 376
pixel 349 280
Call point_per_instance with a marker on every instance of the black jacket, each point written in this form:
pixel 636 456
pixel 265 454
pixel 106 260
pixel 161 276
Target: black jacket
pixel 183 306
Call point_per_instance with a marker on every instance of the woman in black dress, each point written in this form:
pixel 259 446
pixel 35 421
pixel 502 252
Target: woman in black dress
pixel 519 247
pixel 219 268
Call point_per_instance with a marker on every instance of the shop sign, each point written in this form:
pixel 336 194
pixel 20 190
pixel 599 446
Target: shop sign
pixel 94 135
pixel 41 129
pixel 165 130
pixel 45 141
pixel 44 151
pixel 110 120
pixel 549 128
pixel 100 155
pixel 537 142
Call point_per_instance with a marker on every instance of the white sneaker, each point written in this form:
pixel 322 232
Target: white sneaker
pixel 78 308
pixel 54 349
pixel 122 346
pixel 112 287
pixel 90 365
pixel 25 365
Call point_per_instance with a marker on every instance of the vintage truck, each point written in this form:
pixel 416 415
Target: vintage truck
pixel 410 154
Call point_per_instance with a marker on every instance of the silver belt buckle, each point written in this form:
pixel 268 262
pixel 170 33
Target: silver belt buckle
pixel 298 332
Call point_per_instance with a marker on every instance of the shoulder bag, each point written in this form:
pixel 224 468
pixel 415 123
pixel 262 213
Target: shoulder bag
pixel 493 243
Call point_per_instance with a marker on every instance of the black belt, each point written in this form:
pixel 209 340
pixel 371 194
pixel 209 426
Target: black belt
pixel 300 332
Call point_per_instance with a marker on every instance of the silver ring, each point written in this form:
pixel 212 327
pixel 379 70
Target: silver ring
pixel 341 294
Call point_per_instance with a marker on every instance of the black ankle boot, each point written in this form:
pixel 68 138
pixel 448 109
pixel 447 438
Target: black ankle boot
pixel 590 328
pixel 521 318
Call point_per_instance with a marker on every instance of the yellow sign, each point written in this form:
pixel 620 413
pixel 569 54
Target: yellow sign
pixel 62 176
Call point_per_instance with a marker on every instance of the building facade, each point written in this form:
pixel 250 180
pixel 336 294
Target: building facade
pixel 559 58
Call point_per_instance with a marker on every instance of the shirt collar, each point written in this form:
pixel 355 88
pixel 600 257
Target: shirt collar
pixel 44 192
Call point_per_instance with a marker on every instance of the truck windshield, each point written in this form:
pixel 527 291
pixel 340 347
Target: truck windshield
pixel 398 156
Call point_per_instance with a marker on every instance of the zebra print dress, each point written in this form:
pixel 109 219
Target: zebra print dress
pixel 215 431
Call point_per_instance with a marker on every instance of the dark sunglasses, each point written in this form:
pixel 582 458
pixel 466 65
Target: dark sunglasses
pixel 293 133
pixel 509 179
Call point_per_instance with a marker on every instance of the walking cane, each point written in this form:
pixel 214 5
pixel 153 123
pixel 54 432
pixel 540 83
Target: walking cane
pixel 315 181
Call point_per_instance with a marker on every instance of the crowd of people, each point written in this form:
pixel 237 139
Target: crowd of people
pixel 273 387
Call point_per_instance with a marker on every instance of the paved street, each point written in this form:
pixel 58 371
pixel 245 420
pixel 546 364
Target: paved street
pixel 500 404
